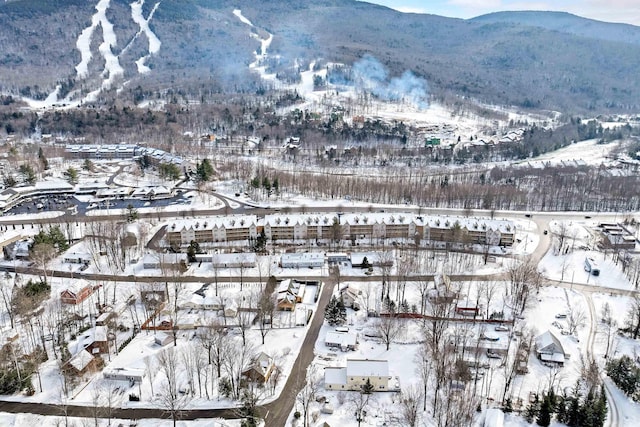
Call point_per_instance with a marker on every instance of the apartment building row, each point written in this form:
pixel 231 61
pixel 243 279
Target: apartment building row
pixel 370 227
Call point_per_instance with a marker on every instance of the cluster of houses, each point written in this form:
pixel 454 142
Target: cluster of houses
pixel 372 227
pixel 617 236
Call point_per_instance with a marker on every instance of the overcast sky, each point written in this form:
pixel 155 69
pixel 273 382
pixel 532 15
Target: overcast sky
pixel 627 11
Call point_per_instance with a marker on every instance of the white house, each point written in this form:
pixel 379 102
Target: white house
pixel 343 340
pixel 357 373
pixel 170 261
pixel 302 260
pixel 549 349
pixel 124 374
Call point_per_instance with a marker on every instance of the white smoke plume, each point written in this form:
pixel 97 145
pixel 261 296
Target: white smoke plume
pixel 370 75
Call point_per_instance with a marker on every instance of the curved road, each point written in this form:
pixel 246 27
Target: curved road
pixel 277 412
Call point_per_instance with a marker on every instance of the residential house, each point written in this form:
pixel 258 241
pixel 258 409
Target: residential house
pixel 289 293
pixel 165 261
pixel 549 349
pixel 345 341
pixel 124 374
pixel 467 308
pixel 351 297
pixel 77 258
pixel 260 369
pixel 302 260
pixel 77 293
pixel 236 260
pixel 96 341
pixel 82 363
pixel 357 373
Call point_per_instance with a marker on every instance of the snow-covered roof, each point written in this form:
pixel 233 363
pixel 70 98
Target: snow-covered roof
pixel 335 375
pixel 547 343
pixel 75 286
pixel 302 257
pixel 81 360
pixel 341 338
pixel 115 373
pixel 53 185
pixel 470 223
pixel 230 259
pixel 367 368
pixel 209 223
pixel 163 258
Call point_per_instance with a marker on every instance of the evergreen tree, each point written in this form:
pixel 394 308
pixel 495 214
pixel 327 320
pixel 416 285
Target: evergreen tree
pixel 625 374
pixel 546 411
pixel 600 409
pixel 341 312
pixel 367 387
pixel 365 263
pixel 192 250
pixel 562 414
pixel 508 406
pixel 132 213
pixel 335 314
pixel 72 175
pixel 574 406
pixel 204 171
pixel 532 411
pixel 43 159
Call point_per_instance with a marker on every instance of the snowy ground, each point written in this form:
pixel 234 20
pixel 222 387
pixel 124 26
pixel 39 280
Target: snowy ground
pixel 587 152
pixel 30 420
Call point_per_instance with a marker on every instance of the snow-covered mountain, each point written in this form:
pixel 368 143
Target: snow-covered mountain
pixel 99 50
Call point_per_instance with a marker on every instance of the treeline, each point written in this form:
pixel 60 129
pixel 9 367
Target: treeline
pixel 553 188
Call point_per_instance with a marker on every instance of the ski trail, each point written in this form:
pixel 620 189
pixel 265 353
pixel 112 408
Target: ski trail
pixel 154 41
pixel 241 17
pixel 112 66
pixel 264 46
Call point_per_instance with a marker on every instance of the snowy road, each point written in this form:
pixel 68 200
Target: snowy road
pixel 613 414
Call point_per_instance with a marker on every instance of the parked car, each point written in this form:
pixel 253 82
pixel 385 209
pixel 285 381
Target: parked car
pixel 492 355
pixel 561 316
pixel 501 328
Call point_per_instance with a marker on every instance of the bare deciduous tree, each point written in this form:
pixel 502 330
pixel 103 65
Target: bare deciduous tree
pixel 388 327
pixel 576 319
pixel 410 405
pixel 308 391
pixel 171 400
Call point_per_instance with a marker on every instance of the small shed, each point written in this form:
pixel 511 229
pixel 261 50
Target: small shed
pixel 163 339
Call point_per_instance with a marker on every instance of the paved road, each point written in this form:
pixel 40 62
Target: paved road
pixel 277 412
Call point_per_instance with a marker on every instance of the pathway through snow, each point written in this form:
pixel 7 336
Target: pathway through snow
pixel 112 66
pixel 264 46
pixel 154 41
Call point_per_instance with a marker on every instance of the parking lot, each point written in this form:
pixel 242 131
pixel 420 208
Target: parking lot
pixel 61 202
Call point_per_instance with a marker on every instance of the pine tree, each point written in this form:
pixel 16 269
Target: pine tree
pixel 601 409
pixel 533 409
pixel 367 387
pixel 561 409
pixel 341 312
pixel 546 410
pixel 335 314
pixel 330 311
